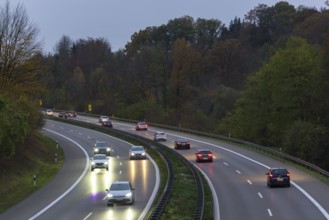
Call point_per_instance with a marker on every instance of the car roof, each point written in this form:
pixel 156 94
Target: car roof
pixel 99 155
pixel 203 150
pixel 181 139
pixel 137 146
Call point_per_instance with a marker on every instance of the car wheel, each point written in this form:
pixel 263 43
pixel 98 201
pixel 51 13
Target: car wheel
pixel 109 204
pixel 92 169
pixel 107 169
pixel 269 184
pixel 288 185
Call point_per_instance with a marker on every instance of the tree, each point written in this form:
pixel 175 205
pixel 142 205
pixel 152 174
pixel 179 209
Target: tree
pixel 18 44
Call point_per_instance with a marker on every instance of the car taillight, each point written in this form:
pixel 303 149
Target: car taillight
pixel 288 174
pixel 271 175
pixel 209 155
pixel 179 143
pixel 187 142
pixel 199 155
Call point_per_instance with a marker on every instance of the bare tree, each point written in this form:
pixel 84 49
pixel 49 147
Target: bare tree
pixel 18 46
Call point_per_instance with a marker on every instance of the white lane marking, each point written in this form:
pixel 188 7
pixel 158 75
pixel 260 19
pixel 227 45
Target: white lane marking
pixel 118 156
pixel 238 171
pixel 88 216
pixel 226 163
pixel 269 212
pixel 88 137
pixel 214 194
pixel 120 172
pixel 120 163
pixel 260 195
pixel 249 182
pixel 75 183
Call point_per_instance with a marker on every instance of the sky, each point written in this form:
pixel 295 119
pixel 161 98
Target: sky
pixel 117 20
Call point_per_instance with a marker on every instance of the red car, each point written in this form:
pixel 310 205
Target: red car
pixel 204 155
pixel 141 126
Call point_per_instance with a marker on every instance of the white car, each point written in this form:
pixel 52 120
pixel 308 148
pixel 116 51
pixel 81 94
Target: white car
pixel 99 161
pixel 103 118
pixel 49 112
pixel 120 192
pixel 160 136
pixel 137 152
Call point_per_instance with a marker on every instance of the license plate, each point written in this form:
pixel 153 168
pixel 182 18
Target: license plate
pixel 279 179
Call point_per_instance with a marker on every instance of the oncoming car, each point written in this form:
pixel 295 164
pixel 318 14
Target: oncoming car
pixel 49 112
pixel 120 192
pixel 103 118
pixel 204 155
pixel 141 126
pixel 278 177
pixel 137 152
pixel 102 147
pixel 99 161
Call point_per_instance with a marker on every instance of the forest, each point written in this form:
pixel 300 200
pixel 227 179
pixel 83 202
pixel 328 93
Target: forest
pixel 263 78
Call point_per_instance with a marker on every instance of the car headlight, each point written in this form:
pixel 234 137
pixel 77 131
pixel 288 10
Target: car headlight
pixel 96 150
pixel 132 153
pixel 92 163
pixel 143 153
pixel 129 194
pixel 108 149
pixel 105 163
pixel 109 195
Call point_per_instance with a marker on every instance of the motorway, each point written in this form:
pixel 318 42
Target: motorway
pixel 78 193
pixel 238 181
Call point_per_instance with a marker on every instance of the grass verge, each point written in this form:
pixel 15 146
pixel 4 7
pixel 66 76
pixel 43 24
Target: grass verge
pixel 35 157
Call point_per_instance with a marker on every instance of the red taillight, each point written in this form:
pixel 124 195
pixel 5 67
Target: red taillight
pixel 187 142
pixel 288 174
pixel 199 155
pixel 209 155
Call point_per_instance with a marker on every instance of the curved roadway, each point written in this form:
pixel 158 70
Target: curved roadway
pixel 77 193
pixel 237 178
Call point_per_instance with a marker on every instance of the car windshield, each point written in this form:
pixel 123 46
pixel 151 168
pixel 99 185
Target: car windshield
pixel 280 171
pixel 137 148
pixel 101 144
pixel 205 152
pixel 99 157
pixel 119 186
pixel 160 133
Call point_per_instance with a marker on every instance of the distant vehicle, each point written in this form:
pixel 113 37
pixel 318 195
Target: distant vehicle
pixel 103 118
pixel 107 123
pixel 120 192
pixel 182 144
pixel 278 177
pixel 49 112
pixel 204 155
pixel 63 115
pixel 102 147
pixel 141 126
pixel 137 152
pixel 160 136
pixel 99 161
pixel 72 113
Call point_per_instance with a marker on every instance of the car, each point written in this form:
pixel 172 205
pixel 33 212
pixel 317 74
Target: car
pixel 159 136
pixel 278 177
pixel 103 118
pixel 102 147
pixel 49 112
pixel 141 126
pixel 72 113
pixel 99 161
pixel 120 192
pixel 107 123
pixel 204 155
pixel 137 152
pixel 182 144
pixel 63 115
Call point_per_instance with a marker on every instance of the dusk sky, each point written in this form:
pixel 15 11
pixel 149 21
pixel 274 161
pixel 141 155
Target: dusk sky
pixel 117 20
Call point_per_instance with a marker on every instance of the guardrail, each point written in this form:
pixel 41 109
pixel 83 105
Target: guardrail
pixel 234 140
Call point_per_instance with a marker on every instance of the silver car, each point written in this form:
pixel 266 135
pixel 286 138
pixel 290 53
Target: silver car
pixel 120 192
pixel 99 161
pixel 137 152
pixel 160 136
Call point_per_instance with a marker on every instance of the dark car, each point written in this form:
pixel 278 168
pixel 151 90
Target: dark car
pixel 278 177
pixel 182 144
pixel 63 115
pixel 102 147
pixel 107 123
pixel 204 155
pixel 141 126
